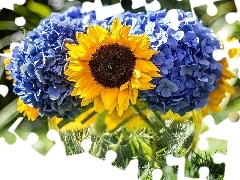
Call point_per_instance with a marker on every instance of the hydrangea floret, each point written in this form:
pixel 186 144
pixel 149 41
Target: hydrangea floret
pixel 188 70
pixel 38 63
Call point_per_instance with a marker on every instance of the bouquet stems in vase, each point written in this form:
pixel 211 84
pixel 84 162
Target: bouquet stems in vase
pixel 145 136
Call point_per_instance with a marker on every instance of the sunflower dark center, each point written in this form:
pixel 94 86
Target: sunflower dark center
pixel 112 65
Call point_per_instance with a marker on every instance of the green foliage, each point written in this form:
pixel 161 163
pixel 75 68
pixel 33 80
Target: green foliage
pixel 100 126
pixel 144 144
pixel 8 114
pixel 232 106
pixel 216 171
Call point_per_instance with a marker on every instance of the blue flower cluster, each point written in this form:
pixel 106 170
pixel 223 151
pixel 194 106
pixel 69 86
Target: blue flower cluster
pixel 189 72
pixel 37 64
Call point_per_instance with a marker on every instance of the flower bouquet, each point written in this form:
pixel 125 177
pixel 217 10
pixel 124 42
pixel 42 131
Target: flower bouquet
pixel 136 83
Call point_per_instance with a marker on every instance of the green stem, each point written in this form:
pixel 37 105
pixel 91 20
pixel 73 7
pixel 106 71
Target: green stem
pixel 163 124
pixel 154 150
pixel 8 114
pixel 88 117
pixel 83 110
pixel 125 121
pixel 197 120
pixel 122 123
pixel 145 119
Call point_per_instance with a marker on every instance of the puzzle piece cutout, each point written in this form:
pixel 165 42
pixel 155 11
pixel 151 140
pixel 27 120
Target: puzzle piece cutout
pixel 9 4
pixel 153 6
pixel 232 17
pixel 20 156
pixel 211 7
pixel 3 90
pixel 180 162
pixel 229 131
pixel 19 21
pixel 219 54
pixel 102 11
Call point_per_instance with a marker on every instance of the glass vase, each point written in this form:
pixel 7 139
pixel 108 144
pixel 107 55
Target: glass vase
pixel 148 136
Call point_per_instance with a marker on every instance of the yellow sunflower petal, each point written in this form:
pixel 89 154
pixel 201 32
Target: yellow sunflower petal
pixel 125 30
pixel 82 80
pixel 145 78
pixel 134 95
pixel 122 108
pixel 142 42
pixel 123 96
pixel 145 66
pixel 124 86
pixel 98 105
pixel 113 107
pixel 94 92
pixel 109 96
pixel 228 88
pixel 116 26
pixel 226 73
pixel 146 54
pixel 88 89
pixel 146 86
pixel 135 83
pixel 85 102
pixel 30 112
pixel 80 37
pixel 53 122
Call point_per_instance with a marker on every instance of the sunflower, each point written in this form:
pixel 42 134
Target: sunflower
pixel 110 66
pixel 30 112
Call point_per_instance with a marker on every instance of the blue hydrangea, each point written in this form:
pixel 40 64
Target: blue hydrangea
pixel 38 63
pixel 189 72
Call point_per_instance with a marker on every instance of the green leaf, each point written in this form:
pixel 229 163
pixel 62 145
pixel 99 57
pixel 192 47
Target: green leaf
pixel 42 10
pixel 169 4
pixel 1 69
pixel 8 25
pixel 144 149
pixel 30 17
pixel 223 9
pixel 233 105
pixel 100 125
pixel 5 41
pixel 134 142
pixel 8 113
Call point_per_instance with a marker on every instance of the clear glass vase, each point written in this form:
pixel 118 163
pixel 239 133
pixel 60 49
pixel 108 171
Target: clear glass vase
pixel 160 135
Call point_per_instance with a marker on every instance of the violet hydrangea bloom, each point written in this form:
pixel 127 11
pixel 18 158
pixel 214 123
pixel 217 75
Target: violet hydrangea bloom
pixel 189 72
pixel 37 64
